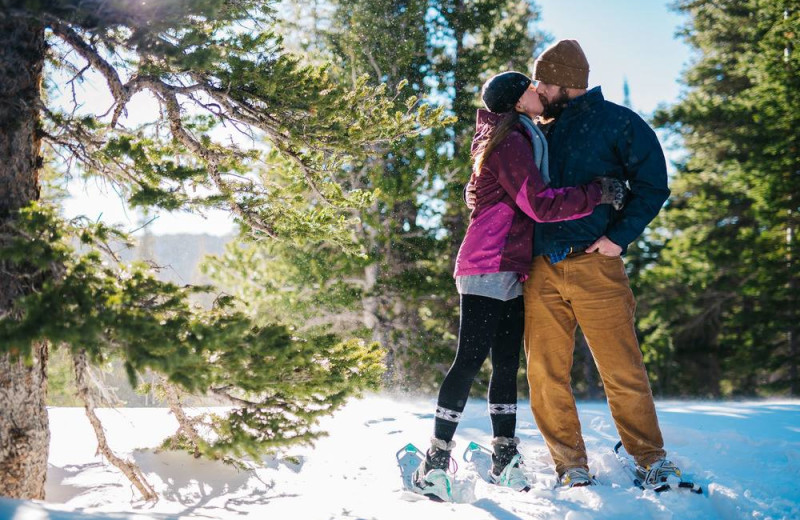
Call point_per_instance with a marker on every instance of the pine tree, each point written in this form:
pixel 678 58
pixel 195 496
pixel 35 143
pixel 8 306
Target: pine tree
pixel 221 81
pixel 401 292
pixel 723 308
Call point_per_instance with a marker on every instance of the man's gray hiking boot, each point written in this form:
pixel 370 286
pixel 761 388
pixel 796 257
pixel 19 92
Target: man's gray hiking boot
pixel 576 477
pixel 658 473
pixel 431 478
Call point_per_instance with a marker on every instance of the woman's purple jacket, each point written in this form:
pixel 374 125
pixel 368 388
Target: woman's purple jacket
pixel 511 196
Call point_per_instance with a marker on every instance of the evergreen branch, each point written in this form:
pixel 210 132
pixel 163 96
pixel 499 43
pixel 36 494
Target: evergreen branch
pixel 305 168
pixel 227 106
pixel 95 14
pixel 259 118
pixel 75 143
pixel 212 159
pixel 340 321
pixel 241 108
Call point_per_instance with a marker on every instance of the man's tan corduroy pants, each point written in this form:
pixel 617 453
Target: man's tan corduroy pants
pixel 590 290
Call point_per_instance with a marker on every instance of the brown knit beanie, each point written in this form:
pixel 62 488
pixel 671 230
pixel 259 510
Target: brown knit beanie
pixel 563 64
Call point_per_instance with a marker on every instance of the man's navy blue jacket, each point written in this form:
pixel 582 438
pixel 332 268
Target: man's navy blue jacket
pixel 594 137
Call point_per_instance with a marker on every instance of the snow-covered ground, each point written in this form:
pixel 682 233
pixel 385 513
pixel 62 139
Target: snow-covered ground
pixel 746 455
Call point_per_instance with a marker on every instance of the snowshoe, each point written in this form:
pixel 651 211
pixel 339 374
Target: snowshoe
pixel 429 476
pixel 507 465
pixel 660 476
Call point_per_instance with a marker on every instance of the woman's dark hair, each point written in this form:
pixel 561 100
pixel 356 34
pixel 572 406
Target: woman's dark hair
pixel 489 142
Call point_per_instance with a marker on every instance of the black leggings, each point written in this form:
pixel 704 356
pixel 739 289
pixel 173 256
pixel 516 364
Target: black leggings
pixel 488 327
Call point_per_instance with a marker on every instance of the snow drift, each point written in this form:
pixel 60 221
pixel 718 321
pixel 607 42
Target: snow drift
pixel 745 454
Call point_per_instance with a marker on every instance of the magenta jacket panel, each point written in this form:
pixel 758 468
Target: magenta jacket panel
pixel 511 197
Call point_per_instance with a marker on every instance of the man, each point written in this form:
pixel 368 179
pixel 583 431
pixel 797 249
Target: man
pixel 578 277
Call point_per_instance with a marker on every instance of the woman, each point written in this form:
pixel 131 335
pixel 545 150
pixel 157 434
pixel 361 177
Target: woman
pixel 509 172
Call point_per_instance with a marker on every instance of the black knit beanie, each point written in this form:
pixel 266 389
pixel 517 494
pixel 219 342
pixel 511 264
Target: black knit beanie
pixel 501 92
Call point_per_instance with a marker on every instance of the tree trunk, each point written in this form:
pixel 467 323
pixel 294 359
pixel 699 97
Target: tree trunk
pixel 455 220
pixel 794 384
pixel 24 433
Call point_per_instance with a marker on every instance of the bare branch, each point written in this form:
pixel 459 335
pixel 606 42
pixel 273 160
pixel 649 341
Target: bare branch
pixel 130 469
pixel 222 392
pixel 121 92
pixel 185 424
pixel 373 63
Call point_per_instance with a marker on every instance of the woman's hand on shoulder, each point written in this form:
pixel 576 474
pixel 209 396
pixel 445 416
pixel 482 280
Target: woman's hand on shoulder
pixel 615 192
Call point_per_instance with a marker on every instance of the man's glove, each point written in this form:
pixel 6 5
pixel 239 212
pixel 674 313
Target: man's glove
pixel 615 192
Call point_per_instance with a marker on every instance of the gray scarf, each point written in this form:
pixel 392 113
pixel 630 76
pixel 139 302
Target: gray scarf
pixel 539 147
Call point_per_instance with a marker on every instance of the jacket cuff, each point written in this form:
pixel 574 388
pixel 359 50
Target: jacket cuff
pixel 595 190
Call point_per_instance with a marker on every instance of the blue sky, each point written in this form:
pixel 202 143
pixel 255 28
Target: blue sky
pixel 621 38
pixel 624 38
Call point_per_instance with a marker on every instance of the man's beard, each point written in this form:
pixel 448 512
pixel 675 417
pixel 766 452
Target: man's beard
pixel 553 109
